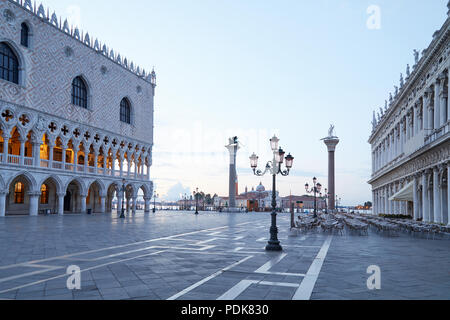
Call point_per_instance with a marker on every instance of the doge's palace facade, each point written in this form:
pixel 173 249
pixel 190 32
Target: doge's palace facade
pixel 76 118
pixel 411 139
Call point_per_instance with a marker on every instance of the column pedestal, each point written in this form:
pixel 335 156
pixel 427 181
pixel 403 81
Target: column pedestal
pixel 147 205
pixel 83 204
pixel 34 200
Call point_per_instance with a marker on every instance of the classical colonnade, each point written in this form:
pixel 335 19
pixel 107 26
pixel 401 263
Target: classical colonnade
pixel 429 114
pixel 431 196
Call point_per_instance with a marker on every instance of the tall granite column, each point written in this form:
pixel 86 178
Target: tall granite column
pixel 233 148
pixel 331 142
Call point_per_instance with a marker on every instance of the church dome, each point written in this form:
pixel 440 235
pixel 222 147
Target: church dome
pixel 260 188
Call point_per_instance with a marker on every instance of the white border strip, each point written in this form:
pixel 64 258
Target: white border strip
pixel 306 288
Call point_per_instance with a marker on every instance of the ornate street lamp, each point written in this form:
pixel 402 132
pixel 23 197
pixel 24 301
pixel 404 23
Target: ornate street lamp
pixel 274 168
pixel 317 187
pixel 196 194
pixel 122 212
pixel 154 201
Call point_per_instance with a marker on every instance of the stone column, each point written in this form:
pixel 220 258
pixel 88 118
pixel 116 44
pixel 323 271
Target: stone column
pixel 83 203
pixel 86 160
pixel 331 143
pixel 437 103
pixel 95 161
pixel 425 112
pixel 22 151
pixel 134 203
pixel 425 200
pixel 6 138
pixel 102 204
pixel 386 211
pixel 232 148
pixel 2 204
pixel 402 136
pixel 105 165
pixel 396 189
pixel 396 135
pixel 64 152
pixel 128 203
pixel 113 164
pixel 34 203
pixel 442 100
pixel 415 199
pixel 50 155
pixel 436 196
pixel 61 197
pixel 416 119
pixel 448 189
pixel 75 159
pixel 147 204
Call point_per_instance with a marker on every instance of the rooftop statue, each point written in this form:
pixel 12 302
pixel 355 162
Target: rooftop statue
pixel 416 56
pixel 331 132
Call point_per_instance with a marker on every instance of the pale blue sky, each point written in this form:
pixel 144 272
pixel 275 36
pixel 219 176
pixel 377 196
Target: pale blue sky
pixel 252 68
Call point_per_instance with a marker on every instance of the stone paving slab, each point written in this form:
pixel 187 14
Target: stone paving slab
pixel 177 255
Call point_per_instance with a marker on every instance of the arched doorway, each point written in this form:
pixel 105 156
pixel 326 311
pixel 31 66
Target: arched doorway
pixel 94 199
pixel 18 201
pixel 49 198
pixel 72 200
pixel 112 198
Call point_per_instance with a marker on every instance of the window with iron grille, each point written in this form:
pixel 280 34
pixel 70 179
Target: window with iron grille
pixel 9 64
pixel 125 111
pixel 79 93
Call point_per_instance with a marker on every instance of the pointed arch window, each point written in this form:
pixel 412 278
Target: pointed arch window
pixel 9 64
pixel 125 111
pixel 79 93
pixel 19 193
pixel 25 35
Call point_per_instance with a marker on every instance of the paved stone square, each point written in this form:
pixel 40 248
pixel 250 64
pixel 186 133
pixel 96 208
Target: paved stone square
pixel 177 255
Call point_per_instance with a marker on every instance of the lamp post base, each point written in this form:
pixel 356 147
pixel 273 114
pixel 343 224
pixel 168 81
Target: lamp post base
pixel 274 246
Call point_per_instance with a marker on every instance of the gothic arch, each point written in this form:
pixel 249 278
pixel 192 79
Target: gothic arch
pixel 56 180
pixel 20 57
pixel 101 186
pixel 79 183
pixel 28 178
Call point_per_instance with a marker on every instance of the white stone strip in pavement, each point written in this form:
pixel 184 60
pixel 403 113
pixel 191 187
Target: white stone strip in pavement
pixel 195 285
pixel 115 247
pixel 28 274
pixel 306 288
pixel 266 267
pixel 238 289
pixel 84 270
pixel 206 241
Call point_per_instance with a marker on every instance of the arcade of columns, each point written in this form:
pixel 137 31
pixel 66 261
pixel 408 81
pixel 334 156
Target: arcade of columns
pixel 430 117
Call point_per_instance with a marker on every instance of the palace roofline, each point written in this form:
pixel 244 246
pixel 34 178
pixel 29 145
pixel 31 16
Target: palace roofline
pixel 84 38
pixel 439 38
